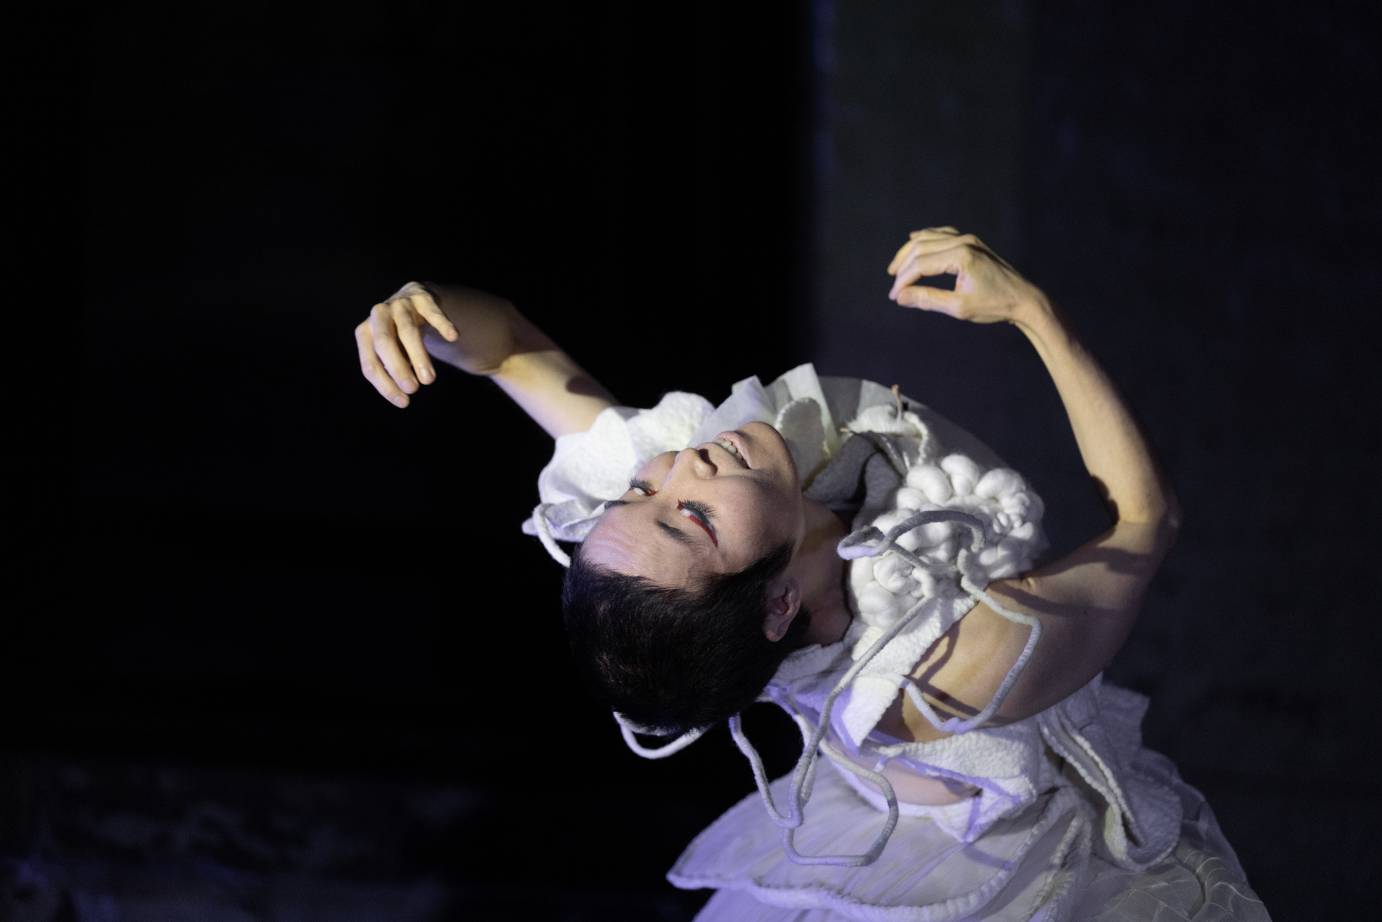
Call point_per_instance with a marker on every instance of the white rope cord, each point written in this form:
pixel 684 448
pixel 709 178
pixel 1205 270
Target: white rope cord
pixel 967 571
pixel 793 816
pixel 804 726
pixel 544 534
pixel 956 724
pixel 796 806
pixel 628 728
pixel 861 545
pixel 884 445
pixel 869 542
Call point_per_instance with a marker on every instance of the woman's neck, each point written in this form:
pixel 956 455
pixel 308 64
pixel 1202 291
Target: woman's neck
pixel 822 574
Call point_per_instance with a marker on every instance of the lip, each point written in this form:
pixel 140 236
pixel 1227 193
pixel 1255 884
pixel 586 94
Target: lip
pixel 737 441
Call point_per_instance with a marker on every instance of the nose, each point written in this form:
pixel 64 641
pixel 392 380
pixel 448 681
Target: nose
pixel 696 460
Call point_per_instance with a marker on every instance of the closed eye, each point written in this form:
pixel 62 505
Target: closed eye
pixel 697 512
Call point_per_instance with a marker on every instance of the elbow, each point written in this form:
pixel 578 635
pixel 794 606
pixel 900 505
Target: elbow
pixel 1166 514
pixel 1173 513
pixel 1167 526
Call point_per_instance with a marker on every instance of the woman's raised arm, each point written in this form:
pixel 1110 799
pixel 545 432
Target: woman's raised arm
pixel 1113 448
pixel 480 334
pixel 560 396
pixel 1088 600
pixel 988 290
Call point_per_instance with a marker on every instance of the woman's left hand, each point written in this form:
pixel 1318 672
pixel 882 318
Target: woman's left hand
pixel 987 289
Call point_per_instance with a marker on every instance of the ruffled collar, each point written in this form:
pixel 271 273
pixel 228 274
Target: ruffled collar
pixel 794 404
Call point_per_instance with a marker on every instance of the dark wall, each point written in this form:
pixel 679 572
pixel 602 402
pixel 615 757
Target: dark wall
pixel 1196 185
pixel 239 557
pixel 253 593
pixel 277 537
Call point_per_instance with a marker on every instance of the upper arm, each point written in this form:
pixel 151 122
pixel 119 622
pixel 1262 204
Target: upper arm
pixel 558 394
pixel 1086 602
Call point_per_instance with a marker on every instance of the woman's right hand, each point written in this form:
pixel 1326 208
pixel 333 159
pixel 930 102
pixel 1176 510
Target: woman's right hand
pixel 468 329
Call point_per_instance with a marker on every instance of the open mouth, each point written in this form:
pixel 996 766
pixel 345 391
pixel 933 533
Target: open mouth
pixel 732 444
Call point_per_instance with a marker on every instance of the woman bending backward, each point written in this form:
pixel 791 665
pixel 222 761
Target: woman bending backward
pixel 714 574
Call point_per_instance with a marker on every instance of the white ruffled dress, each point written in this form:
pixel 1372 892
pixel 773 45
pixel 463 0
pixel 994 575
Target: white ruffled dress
pixel 1071 817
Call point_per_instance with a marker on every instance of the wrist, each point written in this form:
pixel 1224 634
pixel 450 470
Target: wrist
pixel 489 326
pixel 1048 331
pixel 1034 314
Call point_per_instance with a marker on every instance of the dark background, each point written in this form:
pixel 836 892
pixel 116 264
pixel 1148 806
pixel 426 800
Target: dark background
pixel 278 649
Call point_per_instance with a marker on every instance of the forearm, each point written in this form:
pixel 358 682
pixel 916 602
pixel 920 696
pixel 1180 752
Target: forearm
pixel 498 342
pixel 546 382
pixel 1113 447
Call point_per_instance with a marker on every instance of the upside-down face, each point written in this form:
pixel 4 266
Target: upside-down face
pixel 707 509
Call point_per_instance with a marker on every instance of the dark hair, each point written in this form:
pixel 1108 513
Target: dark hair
pixel 675 658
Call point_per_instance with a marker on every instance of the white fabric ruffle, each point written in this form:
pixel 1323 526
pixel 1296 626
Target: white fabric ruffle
pixel 1071 816
pixel 592 467
pixel 1033 865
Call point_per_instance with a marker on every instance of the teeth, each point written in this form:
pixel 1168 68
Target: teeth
pixel 729 446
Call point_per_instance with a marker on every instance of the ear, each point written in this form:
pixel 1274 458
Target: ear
pixel 784 601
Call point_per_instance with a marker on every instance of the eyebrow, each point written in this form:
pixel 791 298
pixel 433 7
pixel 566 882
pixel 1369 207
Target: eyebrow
pixel 675 533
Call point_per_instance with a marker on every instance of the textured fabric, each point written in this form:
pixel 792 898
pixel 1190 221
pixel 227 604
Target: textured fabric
pixel 1200 881
pixel 1069 809
pixel 590 468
